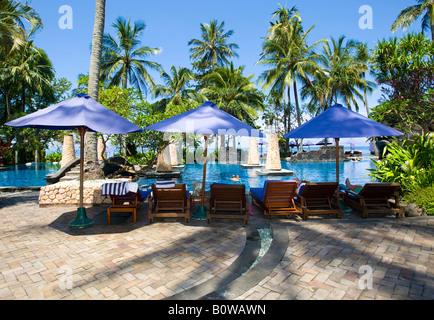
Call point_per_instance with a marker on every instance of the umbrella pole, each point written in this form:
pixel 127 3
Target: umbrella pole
pixel 200 213
pixel 337 169
pixel 337 159
pixel 81 220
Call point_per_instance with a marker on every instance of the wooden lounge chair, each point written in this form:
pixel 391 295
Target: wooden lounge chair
pixel 317 198
pixel 375 198
pixel 129 202
pixel 169 203
pixel 226 198
pixel 276 198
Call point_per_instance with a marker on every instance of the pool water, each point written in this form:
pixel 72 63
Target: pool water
pixel 356 171
pixel 26 175
pixel 33 175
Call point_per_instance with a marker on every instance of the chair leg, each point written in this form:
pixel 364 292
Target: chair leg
pixel 109 220
pixel 134 215
pixel 304 214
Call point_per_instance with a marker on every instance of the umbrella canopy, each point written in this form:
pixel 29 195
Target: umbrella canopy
pixel 80 113
pixel 206 119
pixel 262 141
pixel 340 122
pixel 292 144
pixel 323 142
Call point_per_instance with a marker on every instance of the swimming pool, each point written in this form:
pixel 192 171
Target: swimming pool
pixel 356 171
pixel 33 175
pixel 26 175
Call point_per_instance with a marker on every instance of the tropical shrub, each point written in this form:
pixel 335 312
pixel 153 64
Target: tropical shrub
pixel 53 157
pixel 411 165
pixel 423 197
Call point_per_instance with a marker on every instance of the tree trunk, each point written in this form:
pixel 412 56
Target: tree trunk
pixel 366 96
pixel 91 154
pixel 432 30
pixel 23 96
pixel 297 104
pixel 8 108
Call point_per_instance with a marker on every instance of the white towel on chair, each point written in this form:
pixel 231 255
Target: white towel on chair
pixel 132 187
pixel 118 188
pixel 165 184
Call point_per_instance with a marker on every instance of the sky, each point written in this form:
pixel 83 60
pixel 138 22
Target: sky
pixel 170 24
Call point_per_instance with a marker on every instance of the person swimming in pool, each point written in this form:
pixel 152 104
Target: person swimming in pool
pixel 235 178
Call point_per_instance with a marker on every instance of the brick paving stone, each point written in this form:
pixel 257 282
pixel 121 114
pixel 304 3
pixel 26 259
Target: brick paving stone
pixel 159 260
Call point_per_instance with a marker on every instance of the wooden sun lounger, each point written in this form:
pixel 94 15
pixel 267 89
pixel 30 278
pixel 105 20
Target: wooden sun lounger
pixel 226 198
pixel 169 203
pixel 276 198
pixel 317 198
pixel 375 198
pixel 129 202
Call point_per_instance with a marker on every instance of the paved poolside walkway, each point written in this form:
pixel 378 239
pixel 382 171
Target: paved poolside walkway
pixel 323 258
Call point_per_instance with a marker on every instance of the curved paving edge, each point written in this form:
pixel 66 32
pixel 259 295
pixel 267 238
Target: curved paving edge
pixel 239 277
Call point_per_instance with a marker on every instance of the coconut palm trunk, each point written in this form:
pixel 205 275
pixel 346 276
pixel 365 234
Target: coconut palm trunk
pixel 91 154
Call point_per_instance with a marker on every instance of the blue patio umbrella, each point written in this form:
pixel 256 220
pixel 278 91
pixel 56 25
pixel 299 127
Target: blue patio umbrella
pixel 308 143
pixel 205 119
pixel 323 142
pixel 340 122
pixel 261 142
pixel 80 113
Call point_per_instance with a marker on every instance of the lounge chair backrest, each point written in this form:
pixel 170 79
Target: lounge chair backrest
pixel 319 189
pixel 178 192
pixel 229 192
pixel 280 189
pixel 379 190
pixel 132 198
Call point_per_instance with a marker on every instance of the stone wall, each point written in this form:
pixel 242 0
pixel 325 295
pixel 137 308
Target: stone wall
pixel 67 193
pixel 323 154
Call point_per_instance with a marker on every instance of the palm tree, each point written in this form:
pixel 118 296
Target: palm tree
pixel 91 155
pixel 12 29
pixel 234 93
pixel 424 9
pixel 213 50
pixel 362 58
pixel 341 78
pixel 287 52
pixel 124 59
pixel 176 84
pixel 29 69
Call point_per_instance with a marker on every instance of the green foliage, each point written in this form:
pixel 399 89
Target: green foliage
pixel 411 165
pixel 404 66
pixel 423 197
pixel 142 158
pixel 407 115
pixel 53 157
